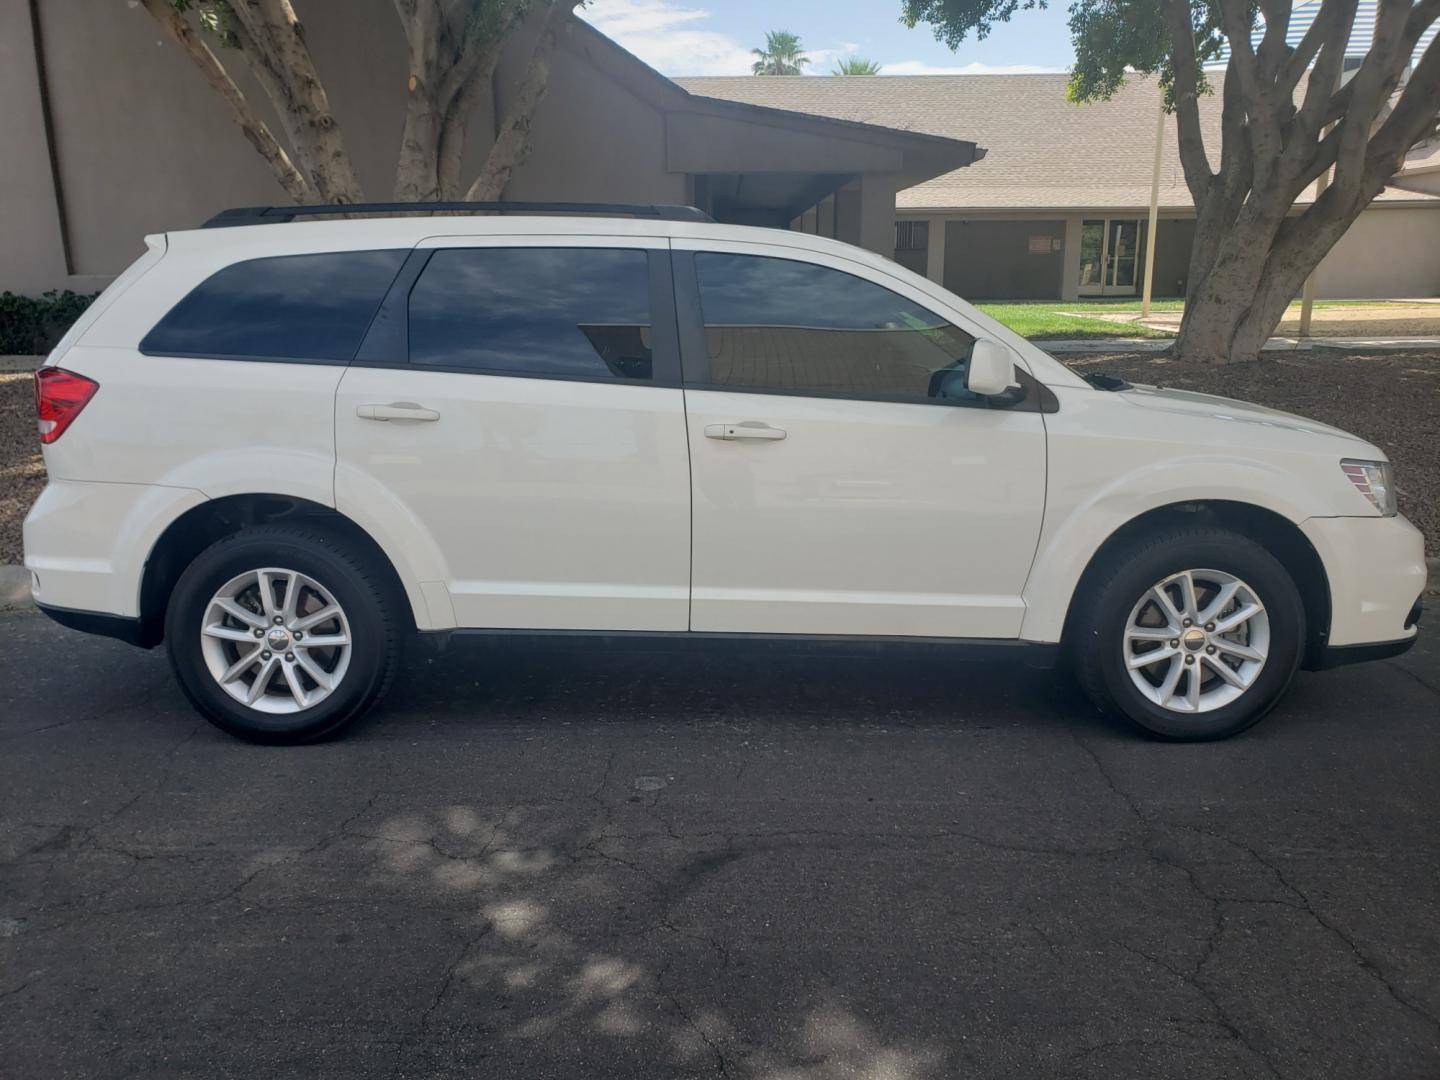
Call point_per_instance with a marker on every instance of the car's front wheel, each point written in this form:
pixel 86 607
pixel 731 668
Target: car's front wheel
pixel 282 634
pixel 1194 633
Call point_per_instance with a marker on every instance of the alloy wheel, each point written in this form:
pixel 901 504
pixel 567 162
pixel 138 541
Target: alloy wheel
pixel 275 640
pixel 1196 641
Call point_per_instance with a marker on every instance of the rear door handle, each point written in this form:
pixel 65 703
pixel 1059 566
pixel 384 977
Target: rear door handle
pixel 745 429
pixel 396 410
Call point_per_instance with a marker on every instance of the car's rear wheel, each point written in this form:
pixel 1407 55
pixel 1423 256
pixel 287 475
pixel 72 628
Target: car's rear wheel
pixel 1191 634
pixel 282 634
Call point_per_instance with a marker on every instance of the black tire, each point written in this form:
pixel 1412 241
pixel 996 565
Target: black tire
pixel 1103 607
pixel 360 588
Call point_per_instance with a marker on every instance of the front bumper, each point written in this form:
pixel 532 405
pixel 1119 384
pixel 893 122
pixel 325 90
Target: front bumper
pixel 121 627
pixel 1339 655
pixel 1375 569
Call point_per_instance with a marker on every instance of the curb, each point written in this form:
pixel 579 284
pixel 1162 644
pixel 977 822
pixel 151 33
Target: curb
pixel 20 363
pixel 1082 346
pixel 14 587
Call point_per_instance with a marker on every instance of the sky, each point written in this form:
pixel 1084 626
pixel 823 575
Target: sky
pixel 714 37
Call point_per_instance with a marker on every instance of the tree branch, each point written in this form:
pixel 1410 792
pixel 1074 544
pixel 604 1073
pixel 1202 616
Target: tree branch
pixel 1321 32
pixel 251 126
pixel 1412 118
pixel 274 41
pixel 1272 46
pixel 512 143
pixel 1264 123
pixel 1186 94
pixel 1338 18
pixel 416 176
pixel 1371 87
pixel 457 117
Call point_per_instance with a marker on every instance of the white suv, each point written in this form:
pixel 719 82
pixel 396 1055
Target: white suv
pixel 282 448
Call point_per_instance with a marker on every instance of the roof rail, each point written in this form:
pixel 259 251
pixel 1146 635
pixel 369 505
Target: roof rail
pixel 270 215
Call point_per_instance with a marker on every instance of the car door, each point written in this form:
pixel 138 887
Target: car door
pixel 844 481
pixel 516 409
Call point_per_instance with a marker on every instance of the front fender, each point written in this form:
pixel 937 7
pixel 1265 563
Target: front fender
pixel 1080 518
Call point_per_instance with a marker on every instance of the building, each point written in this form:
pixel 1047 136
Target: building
pixel 110 134
pixel 1058 208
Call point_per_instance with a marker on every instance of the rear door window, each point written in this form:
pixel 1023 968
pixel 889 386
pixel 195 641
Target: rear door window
pixel 578 313
pixel 291 307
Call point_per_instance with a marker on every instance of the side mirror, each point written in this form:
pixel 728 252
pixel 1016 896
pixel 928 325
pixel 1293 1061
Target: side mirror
pixel 992 368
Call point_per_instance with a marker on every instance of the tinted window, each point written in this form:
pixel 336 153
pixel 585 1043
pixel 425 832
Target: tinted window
pixel 577 312
pixel 776 324
pixel 311 307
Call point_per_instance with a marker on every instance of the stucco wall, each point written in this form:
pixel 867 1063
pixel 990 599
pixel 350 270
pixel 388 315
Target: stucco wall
pixel 31 259
pixel 988 259
pixel 1386 253
pixel 144 145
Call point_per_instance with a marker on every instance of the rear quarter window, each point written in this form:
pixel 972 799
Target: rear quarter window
pixel 290 307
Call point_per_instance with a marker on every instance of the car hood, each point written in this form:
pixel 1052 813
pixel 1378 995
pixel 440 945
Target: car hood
pixel 1228 410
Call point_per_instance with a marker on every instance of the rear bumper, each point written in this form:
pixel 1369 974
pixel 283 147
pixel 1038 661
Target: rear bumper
pixel 87 543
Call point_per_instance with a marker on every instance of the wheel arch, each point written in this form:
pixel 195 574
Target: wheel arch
pixel 200 526
pixel 1281 536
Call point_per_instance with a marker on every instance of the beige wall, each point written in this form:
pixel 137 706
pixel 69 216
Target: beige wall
pixel 29 222
pixel 988 259
pixel 144 146
pixel 1388 252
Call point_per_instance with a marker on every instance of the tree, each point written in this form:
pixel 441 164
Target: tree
pixel 782 55
pixel 855 65
pixel 452 47
pixel 1286 119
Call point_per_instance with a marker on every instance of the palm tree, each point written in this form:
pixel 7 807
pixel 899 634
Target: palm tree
pixel 855 65
pixel 782 55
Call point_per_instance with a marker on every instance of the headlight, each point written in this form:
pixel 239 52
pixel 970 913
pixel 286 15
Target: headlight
pixel 1373 479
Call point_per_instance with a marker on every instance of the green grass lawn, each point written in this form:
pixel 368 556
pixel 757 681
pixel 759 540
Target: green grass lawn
pixel 1058 319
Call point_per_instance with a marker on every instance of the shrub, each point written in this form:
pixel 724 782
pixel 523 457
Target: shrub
pixel 31 325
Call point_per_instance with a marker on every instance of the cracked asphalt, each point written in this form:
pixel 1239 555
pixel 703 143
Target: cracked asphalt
pixel 577 862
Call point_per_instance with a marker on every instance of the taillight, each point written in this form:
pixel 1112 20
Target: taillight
pixel 59 397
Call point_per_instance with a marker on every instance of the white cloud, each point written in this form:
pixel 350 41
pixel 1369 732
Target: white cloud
pixel 664 35
pixel 920 67
pixel 669 35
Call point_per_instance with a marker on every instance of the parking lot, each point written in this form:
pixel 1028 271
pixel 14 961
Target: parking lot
pixel 582 862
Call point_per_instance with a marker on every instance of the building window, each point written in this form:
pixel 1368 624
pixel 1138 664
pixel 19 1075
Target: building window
pixel 912 235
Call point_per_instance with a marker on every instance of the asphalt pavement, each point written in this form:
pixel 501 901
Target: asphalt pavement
pixel 565 861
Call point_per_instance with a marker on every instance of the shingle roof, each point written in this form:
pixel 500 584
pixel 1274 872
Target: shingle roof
pixel 1043 153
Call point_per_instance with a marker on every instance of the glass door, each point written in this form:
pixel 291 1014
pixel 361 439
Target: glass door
pixel 1109 256
pixel 1092 258
pixel 1120 276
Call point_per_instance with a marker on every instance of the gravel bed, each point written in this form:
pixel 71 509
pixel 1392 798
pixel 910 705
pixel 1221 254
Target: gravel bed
pixel 22 474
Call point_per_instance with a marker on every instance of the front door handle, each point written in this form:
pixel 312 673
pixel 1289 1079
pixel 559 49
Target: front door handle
pixel 396 410
pixel 745 429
